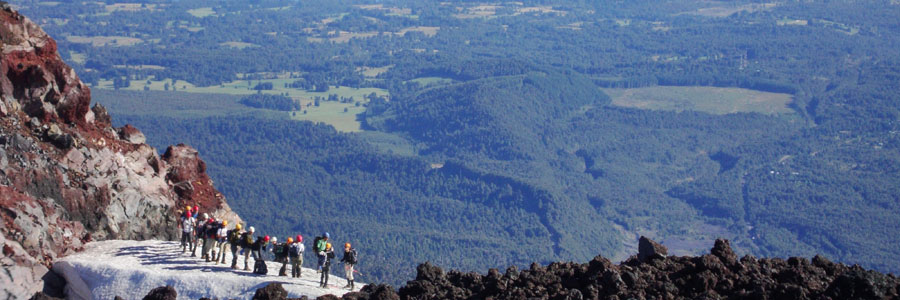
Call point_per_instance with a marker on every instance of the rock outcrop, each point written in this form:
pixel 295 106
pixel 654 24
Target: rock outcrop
pixel 718 275
pixel 66 175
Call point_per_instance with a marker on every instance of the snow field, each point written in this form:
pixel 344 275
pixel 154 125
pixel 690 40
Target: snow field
pixel 131 269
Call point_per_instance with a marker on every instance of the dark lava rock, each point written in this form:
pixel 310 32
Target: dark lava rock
pixel 273 291
pixel 328 297
pixel 718 275
pixel 375 292
pixel 722 249
pixel 162 293
pixel 648 249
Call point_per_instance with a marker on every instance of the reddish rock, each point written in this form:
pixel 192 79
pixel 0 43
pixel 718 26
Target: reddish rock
pixel 68 177
pixel 131 134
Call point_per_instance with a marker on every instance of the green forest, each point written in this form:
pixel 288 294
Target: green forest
pixel 496 137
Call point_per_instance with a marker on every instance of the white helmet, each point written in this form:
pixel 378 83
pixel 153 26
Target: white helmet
pixel 252 229
pixel 274 240
pixel 205 216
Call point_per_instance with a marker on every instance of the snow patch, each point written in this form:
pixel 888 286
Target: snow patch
pixel 131 269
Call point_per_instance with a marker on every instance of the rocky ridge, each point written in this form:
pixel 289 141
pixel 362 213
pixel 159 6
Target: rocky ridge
pixel 67 176
pixel 652 275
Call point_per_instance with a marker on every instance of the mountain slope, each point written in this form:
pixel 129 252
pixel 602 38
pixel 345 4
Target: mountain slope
pixel 66 175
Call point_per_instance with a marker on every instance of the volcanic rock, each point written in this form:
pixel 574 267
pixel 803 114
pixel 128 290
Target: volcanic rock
pixel 718 275
pixel 68 177
pixel 162 293
pixel 648 249
pixel 272 291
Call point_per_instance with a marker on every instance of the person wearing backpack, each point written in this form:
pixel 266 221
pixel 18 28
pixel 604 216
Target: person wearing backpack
pixel 319 246
pixel 326 266
pixel 258 247
pixel 350 259
pixel 200 235
pixel 234 238
pixel 222 240
pixel 209 238
pixel 246 244
pixel 281 254
pixel 295 253
pixel 187 231
pixel 259 264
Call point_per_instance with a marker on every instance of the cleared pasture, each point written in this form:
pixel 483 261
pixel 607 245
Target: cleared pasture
pixel 714 100
pixel 329 112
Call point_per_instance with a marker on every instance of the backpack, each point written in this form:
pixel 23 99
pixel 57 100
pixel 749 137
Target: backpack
pixel 246 240
pixel 233 236
pixel 321 244
pixel 199 228
pixel 295 251
pixel 316 244
pixel 260 267
pixel 211 229
pixel 278 250
pixel 352 257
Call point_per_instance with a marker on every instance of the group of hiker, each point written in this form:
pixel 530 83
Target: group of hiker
pixel 213 237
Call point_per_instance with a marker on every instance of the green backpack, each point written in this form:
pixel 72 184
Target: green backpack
pixel 320 245
pixel 234 236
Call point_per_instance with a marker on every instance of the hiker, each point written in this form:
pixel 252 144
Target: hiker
pixel 281 253
pixel 259 264
pixel 350 259
pixel 187 231
pixel 319 245
pixel 326 266
pixel 296 255
pixel 222 240
pixel 196 213
pixel 258 247
pixel 246 243
pixel 234 238
pixel 209 238
pixel 275 248
pixel 200 234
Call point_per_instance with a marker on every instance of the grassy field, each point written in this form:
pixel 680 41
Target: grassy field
pixel 238 45
pixel 100 41
pixel 425 81
pixel 329 112
pixel 373 72
pixel 427 30
pixel 176 104
pixel 714 100
pixel 332 113
pixel 202 12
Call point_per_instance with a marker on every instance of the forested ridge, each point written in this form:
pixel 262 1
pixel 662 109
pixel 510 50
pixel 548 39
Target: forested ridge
pixel 498 146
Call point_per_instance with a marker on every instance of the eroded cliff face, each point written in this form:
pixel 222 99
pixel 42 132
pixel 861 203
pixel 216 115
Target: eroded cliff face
pixel 67 176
